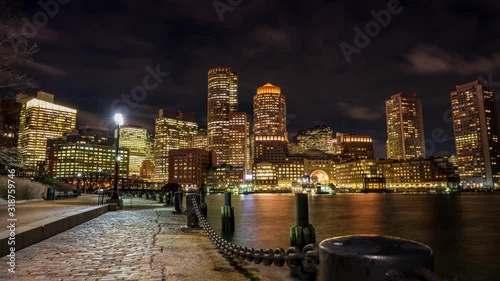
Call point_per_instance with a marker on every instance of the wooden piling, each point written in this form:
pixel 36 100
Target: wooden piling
pixel 227 214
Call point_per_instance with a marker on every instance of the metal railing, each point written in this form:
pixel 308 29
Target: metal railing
pixel 302 263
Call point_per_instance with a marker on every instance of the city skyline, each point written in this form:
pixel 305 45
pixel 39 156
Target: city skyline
pixel 266 45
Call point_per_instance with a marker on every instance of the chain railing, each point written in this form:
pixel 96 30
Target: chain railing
pixel 302 263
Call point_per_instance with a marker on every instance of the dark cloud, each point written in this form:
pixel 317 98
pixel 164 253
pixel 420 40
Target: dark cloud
pixel 430 60
pixel 103 48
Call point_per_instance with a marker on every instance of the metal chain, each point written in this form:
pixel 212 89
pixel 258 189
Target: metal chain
pixel 305 261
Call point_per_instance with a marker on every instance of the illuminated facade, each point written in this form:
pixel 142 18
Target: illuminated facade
pixel 313 138
pixel 405 127
pixel 239 142
pixel 269 111
pixel 270 142
pixel 200 140
pixel 360 175
pixel 476 136
pixel 435 174
pixel 69 159
pixel 189 167
pixel 272 149
pixel 41 119
pixel 222 99
pixel 135 139
pixel 265 176
pixel 352 146
pixel 173 132
pixel 224 178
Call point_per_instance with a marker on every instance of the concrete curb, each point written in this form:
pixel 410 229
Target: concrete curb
pixel 35 232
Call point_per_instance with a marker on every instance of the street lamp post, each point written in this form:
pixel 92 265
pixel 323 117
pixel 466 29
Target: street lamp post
pixel 79 176
pixel 119 122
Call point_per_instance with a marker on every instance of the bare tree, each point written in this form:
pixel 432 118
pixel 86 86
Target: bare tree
pixel 15 51
pixel 15 48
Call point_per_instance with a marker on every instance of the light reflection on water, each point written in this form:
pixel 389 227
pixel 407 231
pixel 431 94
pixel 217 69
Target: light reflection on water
pixel 463 230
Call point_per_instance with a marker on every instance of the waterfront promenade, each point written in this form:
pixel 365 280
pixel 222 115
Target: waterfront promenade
pixel 143 241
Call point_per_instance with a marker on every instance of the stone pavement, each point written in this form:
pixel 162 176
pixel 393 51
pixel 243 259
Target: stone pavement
pixel 141 243
pixel 28 212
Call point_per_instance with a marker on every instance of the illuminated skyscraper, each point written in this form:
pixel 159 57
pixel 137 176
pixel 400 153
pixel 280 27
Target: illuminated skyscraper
pixel 269 111
pixel 476 136
pixel 269 129
pixel 135 139
pixel 173 132
pixel 405 127
pixel 41 119
pixel 222 99
pixel 239 145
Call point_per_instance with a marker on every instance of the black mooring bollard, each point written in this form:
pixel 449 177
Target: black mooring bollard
pixel 192 218
pixel 227 214
pixel 161 197
pixel 373 258
pixel 203 203
pixel 178 201
pixel 227 198
pixel 168 199
pixel 302 233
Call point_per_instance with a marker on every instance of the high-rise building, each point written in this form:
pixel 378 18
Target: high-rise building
pixel 405 127
pixel 269 111
pixel 313 138
pixel 352 146
pixel 172 131
pixel 135 139
pixel 222 99
pixel 239 150
pixel 41 119
pixel 476 136
pixel 270 142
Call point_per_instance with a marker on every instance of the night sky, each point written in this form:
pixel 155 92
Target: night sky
pixel 93 51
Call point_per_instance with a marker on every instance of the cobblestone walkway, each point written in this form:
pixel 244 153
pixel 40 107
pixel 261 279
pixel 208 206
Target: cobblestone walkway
pixel 114 246
pixel 136 244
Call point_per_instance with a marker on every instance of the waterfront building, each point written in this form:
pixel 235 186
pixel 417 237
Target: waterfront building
pixel 239 134
pixel 222 99
pixel 41 119
pixel 272 149
pixel 135 139
pixel 320 166
pixel 172 131
pixel 359 175
pixel 476 136
pixel 10 112
pixel 405 127
pixel 189 167
pixel 434 174
pixel 352 146
pixel 265 176
pixel 312 138
pixel 290 170
pixel 225 178
pixel 67 160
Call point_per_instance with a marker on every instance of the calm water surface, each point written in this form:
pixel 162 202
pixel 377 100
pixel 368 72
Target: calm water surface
pixel 463 230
